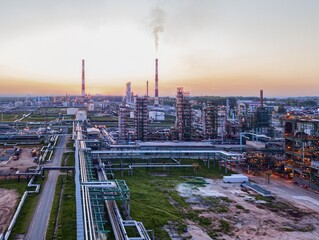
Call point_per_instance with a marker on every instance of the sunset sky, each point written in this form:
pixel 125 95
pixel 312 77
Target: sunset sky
pixel 210 47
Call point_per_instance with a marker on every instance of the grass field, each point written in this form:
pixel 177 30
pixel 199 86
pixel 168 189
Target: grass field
pixel 10 117
pixel 65 215
pixel 155 201
pixel 24 218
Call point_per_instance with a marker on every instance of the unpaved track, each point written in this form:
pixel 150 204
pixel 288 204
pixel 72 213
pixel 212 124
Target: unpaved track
pixel 8 202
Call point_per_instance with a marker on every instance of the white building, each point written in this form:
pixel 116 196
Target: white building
pixel 71 111
pixel 90 106
pixel 156 116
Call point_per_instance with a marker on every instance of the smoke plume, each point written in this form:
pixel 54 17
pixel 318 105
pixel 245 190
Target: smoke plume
pixel 157 24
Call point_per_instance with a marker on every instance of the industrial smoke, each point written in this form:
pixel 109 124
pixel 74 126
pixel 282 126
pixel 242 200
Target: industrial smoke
pixel 157 24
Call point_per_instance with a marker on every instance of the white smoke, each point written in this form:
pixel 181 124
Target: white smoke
pixel 157 24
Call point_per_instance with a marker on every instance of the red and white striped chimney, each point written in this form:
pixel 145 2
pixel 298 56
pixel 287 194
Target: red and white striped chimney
pixel 83 78
pixel 156 102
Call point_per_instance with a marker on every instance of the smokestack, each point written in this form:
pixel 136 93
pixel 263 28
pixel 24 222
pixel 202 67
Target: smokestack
pixel 156 103
pixel 146 88
pixel 261 98
pixel 83 78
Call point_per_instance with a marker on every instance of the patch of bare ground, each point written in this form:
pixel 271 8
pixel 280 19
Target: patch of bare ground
pixel 223 212
pixel 22 164
pixel 8 202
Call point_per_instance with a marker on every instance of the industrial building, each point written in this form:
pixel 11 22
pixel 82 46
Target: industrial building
pixel 255 117
pixel 123 115
pixel 90 106
pixel 141 118
pixel 302 149
pixel 210 121
pixel 183 123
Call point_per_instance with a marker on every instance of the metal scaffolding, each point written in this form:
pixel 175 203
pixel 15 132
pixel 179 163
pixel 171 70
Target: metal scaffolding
pixel 210 121
pixel 124 113
pixel 141 118
pixel 96 195
pixel 183 121
pixel 302 149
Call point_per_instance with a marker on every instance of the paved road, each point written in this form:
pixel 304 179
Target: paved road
pixel 40 219
pixel 288 190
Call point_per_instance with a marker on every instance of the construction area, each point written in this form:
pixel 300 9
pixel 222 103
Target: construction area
pixel 233 212
pixel 193 207
pixel 8 203
pixel 13 159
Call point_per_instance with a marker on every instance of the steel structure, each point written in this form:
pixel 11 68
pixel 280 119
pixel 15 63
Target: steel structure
pixel 124 113
pixel 96 195
pixel 141 118
pixel 127 158
pixel 302 149
pixel 210 121
pixel 183 123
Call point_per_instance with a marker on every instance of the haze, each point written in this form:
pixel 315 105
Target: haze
pixel 208 47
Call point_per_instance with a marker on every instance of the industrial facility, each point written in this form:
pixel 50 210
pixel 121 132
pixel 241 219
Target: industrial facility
pixel 302 150
pixel 113 138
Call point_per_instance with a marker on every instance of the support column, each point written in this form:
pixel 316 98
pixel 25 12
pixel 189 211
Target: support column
pixel 225 162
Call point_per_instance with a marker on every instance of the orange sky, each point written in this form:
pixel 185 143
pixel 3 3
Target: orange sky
pixel 213 48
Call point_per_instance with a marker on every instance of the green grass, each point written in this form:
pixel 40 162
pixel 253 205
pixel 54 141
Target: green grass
pixel 10 117
pixel 68 159
pixel 67 217
pixel 225 226
pixel 155 201
pixel 67 221
pixel 149 204
pixel 70 145
pixel 25 215
pixel 20 187
pixel 24 219
pixel 261 197
pixel 217 204
pixel 92 117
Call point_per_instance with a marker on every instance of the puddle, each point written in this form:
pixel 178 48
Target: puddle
pixel 190 191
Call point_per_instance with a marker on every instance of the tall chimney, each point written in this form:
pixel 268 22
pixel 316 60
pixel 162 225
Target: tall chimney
pixel 261 98
pixel 83 78
pixel 146 88
pixel 156 103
